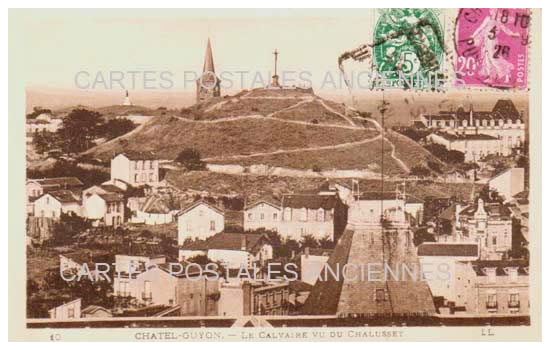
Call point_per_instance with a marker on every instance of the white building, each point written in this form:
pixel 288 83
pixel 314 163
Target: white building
pixel 236 250
pixel 508 183
pixel 44 122
pixel 135 168
pixel 199 221
pixel 105 209
pixel 474 146
pixel 52 204
pixel 67 311
pixel 312 262
pixel 442 258
pixel 504 124
pixel 262 214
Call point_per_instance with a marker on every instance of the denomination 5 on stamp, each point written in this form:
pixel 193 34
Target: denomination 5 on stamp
pixel 492 47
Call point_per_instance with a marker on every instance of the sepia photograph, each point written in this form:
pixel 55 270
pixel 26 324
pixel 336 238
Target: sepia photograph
pixel 360 174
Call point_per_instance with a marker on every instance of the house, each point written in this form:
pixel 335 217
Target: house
pixel 95 311
pixel 44 122
pixel 53 204
pixel 504 123
pixel 83 262
pixel 487 224
pixel 374 207
pixel 508 183
pixel 200 220
pixel 322 216
pixel 37 187
pixel 264 213
pixel 493 287
pixel 105 209
pixel 135 168
pixel 234 250
pixel 132 261
pixel 443 257
pixel 253 298
pixel 67 311
pixel 155 210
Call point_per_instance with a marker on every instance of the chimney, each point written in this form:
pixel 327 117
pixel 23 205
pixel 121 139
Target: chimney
pixel 471 114
pixel 243 243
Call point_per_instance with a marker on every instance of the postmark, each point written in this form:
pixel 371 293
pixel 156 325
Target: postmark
pixel 408 41
pixel 492 47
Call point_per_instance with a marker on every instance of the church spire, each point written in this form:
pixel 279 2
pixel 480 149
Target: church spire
pixel 208 59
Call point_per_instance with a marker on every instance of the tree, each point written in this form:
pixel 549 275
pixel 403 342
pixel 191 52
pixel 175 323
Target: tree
pixel 191 159
pixel 116 127
pixel 79 129
pixel 44 141
pixel 309 241
pixel 420 171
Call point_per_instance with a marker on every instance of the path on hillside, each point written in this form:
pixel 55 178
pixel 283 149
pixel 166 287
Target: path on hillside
pixel 296 150
pixel 262 117
pixel 335 112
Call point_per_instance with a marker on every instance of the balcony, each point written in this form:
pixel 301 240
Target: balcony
pixel 146 296
pixel 513 304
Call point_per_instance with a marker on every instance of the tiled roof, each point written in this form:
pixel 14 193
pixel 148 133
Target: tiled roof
pixel 460 137
pixel 503 109
pixel 310 201
pixel 112 188
pixel 449 249
pixel 137 155
pixel 492 209
pixel 266 200
pixel 344 297
pixel 229 241
pixel 60 182
pixel 111 197
pixel 199 202
pixel 64 196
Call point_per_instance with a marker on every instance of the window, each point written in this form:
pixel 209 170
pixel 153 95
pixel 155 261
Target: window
pixel 380 294
pixel 494 240
pixel 492 301
pixel 70 312
pixel 320 215
pixel 151 177
pixel 136 178
pixel 304 214
pixel 262 216
pixel 212 225
pixel 275 216
pixel 151 164
pixel 513 300
pixel 250 216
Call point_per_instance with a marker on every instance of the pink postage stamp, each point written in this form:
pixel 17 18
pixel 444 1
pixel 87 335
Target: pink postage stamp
pixel 491 47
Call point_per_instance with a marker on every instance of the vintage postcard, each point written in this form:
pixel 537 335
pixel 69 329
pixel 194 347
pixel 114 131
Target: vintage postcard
pixel 275 175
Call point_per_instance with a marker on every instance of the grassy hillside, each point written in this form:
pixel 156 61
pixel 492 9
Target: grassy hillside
pixel 287 128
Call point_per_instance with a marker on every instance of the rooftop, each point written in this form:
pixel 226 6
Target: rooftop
pixel 229 241
pixel 447 249
pixel 310 201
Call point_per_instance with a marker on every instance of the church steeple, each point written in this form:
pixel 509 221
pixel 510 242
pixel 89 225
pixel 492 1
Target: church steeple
pixel 208 59
pixel 208 85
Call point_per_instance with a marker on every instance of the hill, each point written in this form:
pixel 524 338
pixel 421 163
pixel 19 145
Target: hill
pixel 285 128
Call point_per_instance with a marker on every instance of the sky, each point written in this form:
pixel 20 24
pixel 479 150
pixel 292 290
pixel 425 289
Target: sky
pixel 70 54
pixel 59 45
